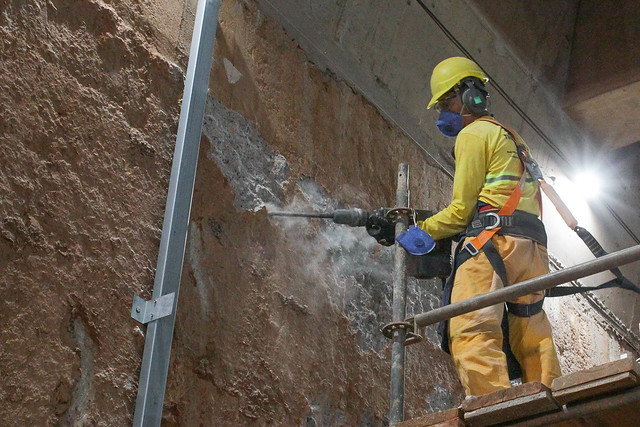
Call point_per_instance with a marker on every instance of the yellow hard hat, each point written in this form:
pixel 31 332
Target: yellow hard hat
pixel 449 72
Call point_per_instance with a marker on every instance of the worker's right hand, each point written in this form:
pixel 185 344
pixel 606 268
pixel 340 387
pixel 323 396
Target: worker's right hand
pixel 381 229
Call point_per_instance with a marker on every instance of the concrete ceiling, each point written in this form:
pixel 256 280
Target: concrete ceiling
pixel 587 51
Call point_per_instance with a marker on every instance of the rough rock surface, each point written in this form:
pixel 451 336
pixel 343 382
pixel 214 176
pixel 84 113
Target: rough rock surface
pixel 302 300
pixel 278 321
pixel 87 119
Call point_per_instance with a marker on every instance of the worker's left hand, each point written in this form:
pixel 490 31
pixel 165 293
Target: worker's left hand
pixel 416 241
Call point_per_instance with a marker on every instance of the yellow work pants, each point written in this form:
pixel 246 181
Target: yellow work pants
pixel 475 339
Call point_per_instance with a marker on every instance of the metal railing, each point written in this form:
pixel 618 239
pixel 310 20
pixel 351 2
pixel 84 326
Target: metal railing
pixel 541 283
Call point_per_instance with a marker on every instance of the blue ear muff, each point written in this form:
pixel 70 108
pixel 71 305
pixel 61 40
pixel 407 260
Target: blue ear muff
pixel 416 241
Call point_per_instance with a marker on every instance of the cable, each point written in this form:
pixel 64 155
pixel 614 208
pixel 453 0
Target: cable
pixel 616 325
pixel 494 84
pixel 518 110
pixel 355 84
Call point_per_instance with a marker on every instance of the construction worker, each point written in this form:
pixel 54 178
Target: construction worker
pixel 490 176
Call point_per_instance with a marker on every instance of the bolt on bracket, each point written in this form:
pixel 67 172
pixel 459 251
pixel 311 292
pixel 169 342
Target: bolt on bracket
pixel 146 311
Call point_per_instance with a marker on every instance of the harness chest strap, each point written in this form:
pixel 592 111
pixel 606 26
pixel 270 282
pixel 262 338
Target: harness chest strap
pixel 473 246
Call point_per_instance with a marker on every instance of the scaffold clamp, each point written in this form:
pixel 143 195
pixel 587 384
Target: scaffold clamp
pixel 410 338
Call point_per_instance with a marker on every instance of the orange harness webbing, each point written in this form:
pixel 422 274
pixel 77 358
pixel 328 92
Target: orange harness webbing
pixel 474 245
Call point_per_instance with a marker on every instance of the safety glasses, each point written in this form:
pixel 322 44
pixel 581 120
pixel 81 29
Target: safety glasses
pixel 444 103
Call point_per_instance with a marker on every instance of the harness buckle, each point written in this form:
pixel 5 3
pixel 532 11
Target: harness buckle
pixel 470 248
pixel 497 223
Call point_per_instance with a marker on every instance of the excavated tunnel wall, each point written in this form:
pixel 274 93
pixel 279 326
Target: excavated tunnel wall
pixel 278 320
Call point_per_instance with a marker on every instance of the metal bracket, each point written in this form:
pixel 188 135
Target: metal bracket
pixel 410 338
pixel 146 311
pixel 396 214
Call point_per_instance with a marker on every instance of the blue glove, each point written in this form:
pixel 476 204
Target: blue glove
pixel 416 241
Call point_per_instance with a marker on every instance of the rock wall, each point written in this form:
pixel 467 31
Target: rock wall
pixel 87 122
pixel 294 307
pixel 278 321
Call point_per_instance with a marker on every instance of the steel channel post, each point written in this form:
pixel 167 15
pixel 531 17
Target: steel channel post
pixel 159 335
pixel 396 410
pixel 541 283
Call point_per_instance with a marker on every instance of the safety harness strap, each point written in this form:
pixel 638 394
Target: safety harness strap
pixel 528 164
pixel 483 239
pixel 532 167
pixel 624 283
pixel 525 310
pixel 521 224
pixel 497 263
pixel 443 327
pixel 473 246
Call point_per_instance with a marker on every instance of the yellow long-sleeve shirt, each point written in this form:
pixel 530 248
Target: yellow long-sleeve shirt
pixel 488 170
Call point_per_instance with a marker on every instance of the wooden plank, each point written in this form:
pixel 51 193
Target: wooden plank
pixel 454 422
pixel 511 410
pixel 449 418
pixel 594 388
pixel 476 402
pixel 625 411
pixel 596 373
pixel 621 408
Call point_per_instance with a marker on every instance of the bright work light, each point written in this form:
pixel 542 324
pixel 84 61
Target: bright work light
pixel 587 184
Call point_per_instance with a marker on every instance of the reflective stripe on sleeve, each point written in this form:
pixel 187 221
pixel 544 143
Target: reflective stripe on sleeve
pixel 504 178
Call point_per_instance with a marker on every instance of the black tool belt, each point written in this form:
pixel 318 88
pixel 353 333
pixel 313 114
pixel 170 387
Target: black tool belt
pixel 520 223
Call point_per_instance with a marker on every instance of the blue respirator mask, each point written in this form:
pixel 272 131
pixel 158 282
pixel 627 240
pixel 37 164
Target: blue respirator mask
pixel 449 123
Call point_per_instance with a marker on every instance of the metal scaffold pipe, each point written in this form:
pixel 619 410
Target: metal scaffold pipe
pixel 604 263
pixel 396 410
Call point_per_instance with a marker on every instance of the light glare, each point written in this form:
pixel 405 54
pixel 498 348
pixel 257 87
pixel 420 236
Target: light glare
pixel 587 184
